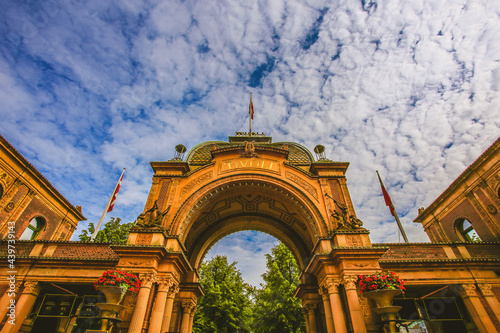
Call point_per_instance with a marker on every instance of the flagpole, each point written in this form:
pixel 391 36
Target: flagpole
pixel 388 202
pixel 251 115
pixel 98 227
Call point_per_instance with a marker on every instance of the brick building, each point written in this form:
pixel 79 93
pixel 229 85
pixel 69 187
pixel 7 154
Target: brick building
pixel 249 182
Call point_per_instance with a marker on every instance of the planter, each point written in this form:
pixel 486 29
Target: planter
pixel 113 294
pixel 387 312
pixel 383 297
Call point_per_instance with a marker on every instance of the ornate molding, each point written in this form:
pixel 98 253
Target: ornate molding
pixel 196 182
pixel 468 290
pixel 486 289
pixel 308 187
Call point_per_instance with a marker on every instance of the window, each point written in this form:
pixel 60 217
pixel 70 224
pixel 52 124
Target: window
pixel 1 191
pixel 33 229
pixel 466 230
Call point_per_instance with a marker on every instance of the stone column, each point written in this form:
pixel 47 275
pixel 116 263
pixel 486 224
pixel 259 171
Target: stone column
pixel 155 324
pixel 336 306
pixel 10 294
pixel 476 309
pixel 358 320
pixel 328 309
pixel 490 298
pixel 191 319
pixel 168 308
pixel 187 307
pixel 304 311
pixel 312 317
pixel 23 306
pixel 137 321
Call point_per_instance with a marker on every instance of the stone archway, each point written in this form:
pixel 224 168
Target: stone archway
pixel 226 187
pixel 247 202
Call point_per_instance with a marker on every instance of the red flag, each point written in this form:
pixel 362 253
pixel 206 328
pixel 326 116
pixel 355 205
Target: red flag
pixel 387 198
pixel 112 204
pixel 250 109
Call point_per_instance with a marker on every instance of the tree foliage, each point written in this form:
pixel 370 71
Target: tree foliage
pixel 114 232
pixel 226 306
pixel 276 308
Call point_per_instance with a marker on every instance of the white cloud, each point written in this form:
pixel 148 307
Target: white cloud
pixel 410 88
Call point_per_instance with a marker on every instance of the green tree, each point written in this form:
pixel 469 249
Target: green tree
pixel 226 305
pixel 276 308
pixel 114 232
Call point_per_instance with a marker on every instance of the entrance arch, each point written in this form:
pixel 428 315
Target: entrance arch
pixel 275 188
pixel 248 202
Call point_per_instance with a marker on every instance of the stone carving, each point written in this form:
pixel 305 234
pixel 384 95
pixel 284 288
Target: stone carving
pixel 345 221
pixel 195 182
pixel 31 287
pixel 354 241
pixel 147 279
pixel 173 291
pixel 188 305
pixel 486 289
pixel 332 286
pixel 164 283
pixel 308 187
pixel 148 263
pixel 468 290
pixel 10 206
pixel 152 217
pixel 365 307
pixel 492 209
pixel 249 149
pixel 349 282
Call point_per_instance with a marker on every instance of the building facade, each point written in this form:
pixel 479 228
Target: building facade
pixel 251 183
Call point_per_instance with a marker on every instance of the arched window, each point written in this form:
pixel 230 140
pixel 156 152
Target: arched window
pixel 34 229
pixel 467 231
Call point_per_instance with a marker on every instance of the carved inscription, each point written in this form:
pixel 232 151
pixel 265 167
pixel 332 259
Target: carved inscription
pixel 196 182
pixel 246 163
pixel 308 187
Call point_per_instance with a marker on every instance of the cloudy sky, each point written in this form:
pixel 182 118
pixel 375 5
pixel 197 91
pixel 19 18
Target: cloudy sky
pixel 409 88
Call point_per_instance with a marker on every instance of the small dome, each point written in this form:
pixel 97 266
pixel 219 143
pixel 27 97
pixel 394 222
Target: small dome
pixel 201 153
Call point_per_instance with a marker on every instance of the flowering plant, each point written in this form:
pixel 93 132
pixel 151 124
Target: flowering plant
pixel 380 280
pixel 118 278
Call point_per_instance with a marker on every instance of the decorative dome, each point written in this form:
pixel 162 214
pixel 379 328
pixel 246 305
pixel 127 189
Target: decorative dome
pixel 201 153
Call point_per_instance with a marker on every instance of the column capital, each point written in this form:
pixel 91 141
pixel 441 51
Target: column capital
pixel 147 279
pixel 331 285
pixel 468 290
pixel 174 289
pixel 486 289
pixel 323 292
pixel 31 287
pixel 188 305
pixel 349 282
pixel 310 307
pixel 164 283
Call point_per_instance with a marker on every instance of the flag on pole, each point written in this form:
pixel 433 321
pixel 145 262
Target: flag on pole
pixel 113 198
pixel 388 202
pixel 250 108
pixel 387 198
pixel 109 206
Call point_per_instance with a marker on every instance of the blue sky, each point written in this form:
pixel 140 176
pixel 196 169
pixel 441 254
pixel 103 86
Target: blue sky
pixel 409 88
